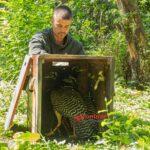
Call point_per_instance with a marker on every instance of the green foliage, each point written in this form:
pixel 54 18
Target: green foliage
pixel 21 20
pixel 128 126
pixel 126 129
pixel 3 146
pixel 91 25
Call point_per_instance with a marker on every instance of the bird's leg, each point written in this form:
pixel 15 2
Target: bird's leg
pixel 74 136
pixel 74 133
pixel 59 117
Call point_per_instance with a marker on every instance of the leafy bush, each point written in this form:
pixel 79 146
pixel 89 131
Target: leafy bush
pixel 126 130
pixel 21 20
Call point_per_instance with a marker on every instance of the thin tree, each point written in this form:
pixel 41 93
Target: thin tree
pixel 134 33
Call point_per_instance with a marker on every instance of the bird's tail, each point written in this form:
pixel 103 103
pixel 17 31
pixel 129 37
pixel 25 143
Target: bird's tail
pixel 84 129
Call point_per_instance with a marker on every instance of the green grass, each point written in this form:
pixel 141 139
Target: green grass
pixel 129 128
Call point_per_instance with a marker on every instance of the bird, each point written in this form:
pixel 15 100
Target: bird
pixel 69 103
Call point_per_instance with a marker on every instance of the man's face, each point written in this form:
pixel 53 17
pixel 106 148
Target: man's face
pixel 60 27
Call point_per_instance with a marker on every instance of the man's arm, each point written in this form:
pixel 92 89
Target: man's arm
pixel 36 44
pixel 81 50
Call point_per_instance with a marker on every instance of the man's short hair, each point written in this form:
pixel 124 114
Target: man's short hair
pixel 65 12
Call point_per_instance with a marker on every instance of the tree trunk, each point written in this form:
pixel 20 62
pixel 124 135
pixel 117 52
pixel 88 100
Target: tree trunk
pixel 134 33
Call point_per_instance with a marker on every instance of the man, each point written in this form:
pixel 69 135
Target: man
pixel 56 40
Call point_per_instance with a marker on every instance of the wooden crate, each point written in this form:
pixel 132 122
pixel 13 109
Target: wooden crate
pixel 96 76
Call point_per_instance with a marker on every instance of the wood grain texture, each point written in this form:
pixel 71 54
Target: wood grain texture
pixel 16 95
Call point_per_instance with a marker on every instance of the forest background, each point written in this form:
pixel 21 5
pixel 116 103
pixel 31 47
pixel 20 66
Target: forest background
pixel 116 28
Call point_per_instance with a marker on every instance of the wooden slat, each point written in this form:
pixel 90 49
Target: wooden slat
pixel 110 82
pixel 36 94
pixel 39 102
pixel 72 57
pixel 20 83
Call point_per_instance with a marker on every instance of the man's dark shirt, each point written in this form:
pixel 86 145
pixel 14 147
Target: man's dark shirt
pixel 44 42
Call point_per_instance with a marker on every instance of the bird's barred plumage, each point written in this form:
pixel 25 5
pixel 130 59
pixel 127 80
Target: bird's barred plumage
pixel 69 103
